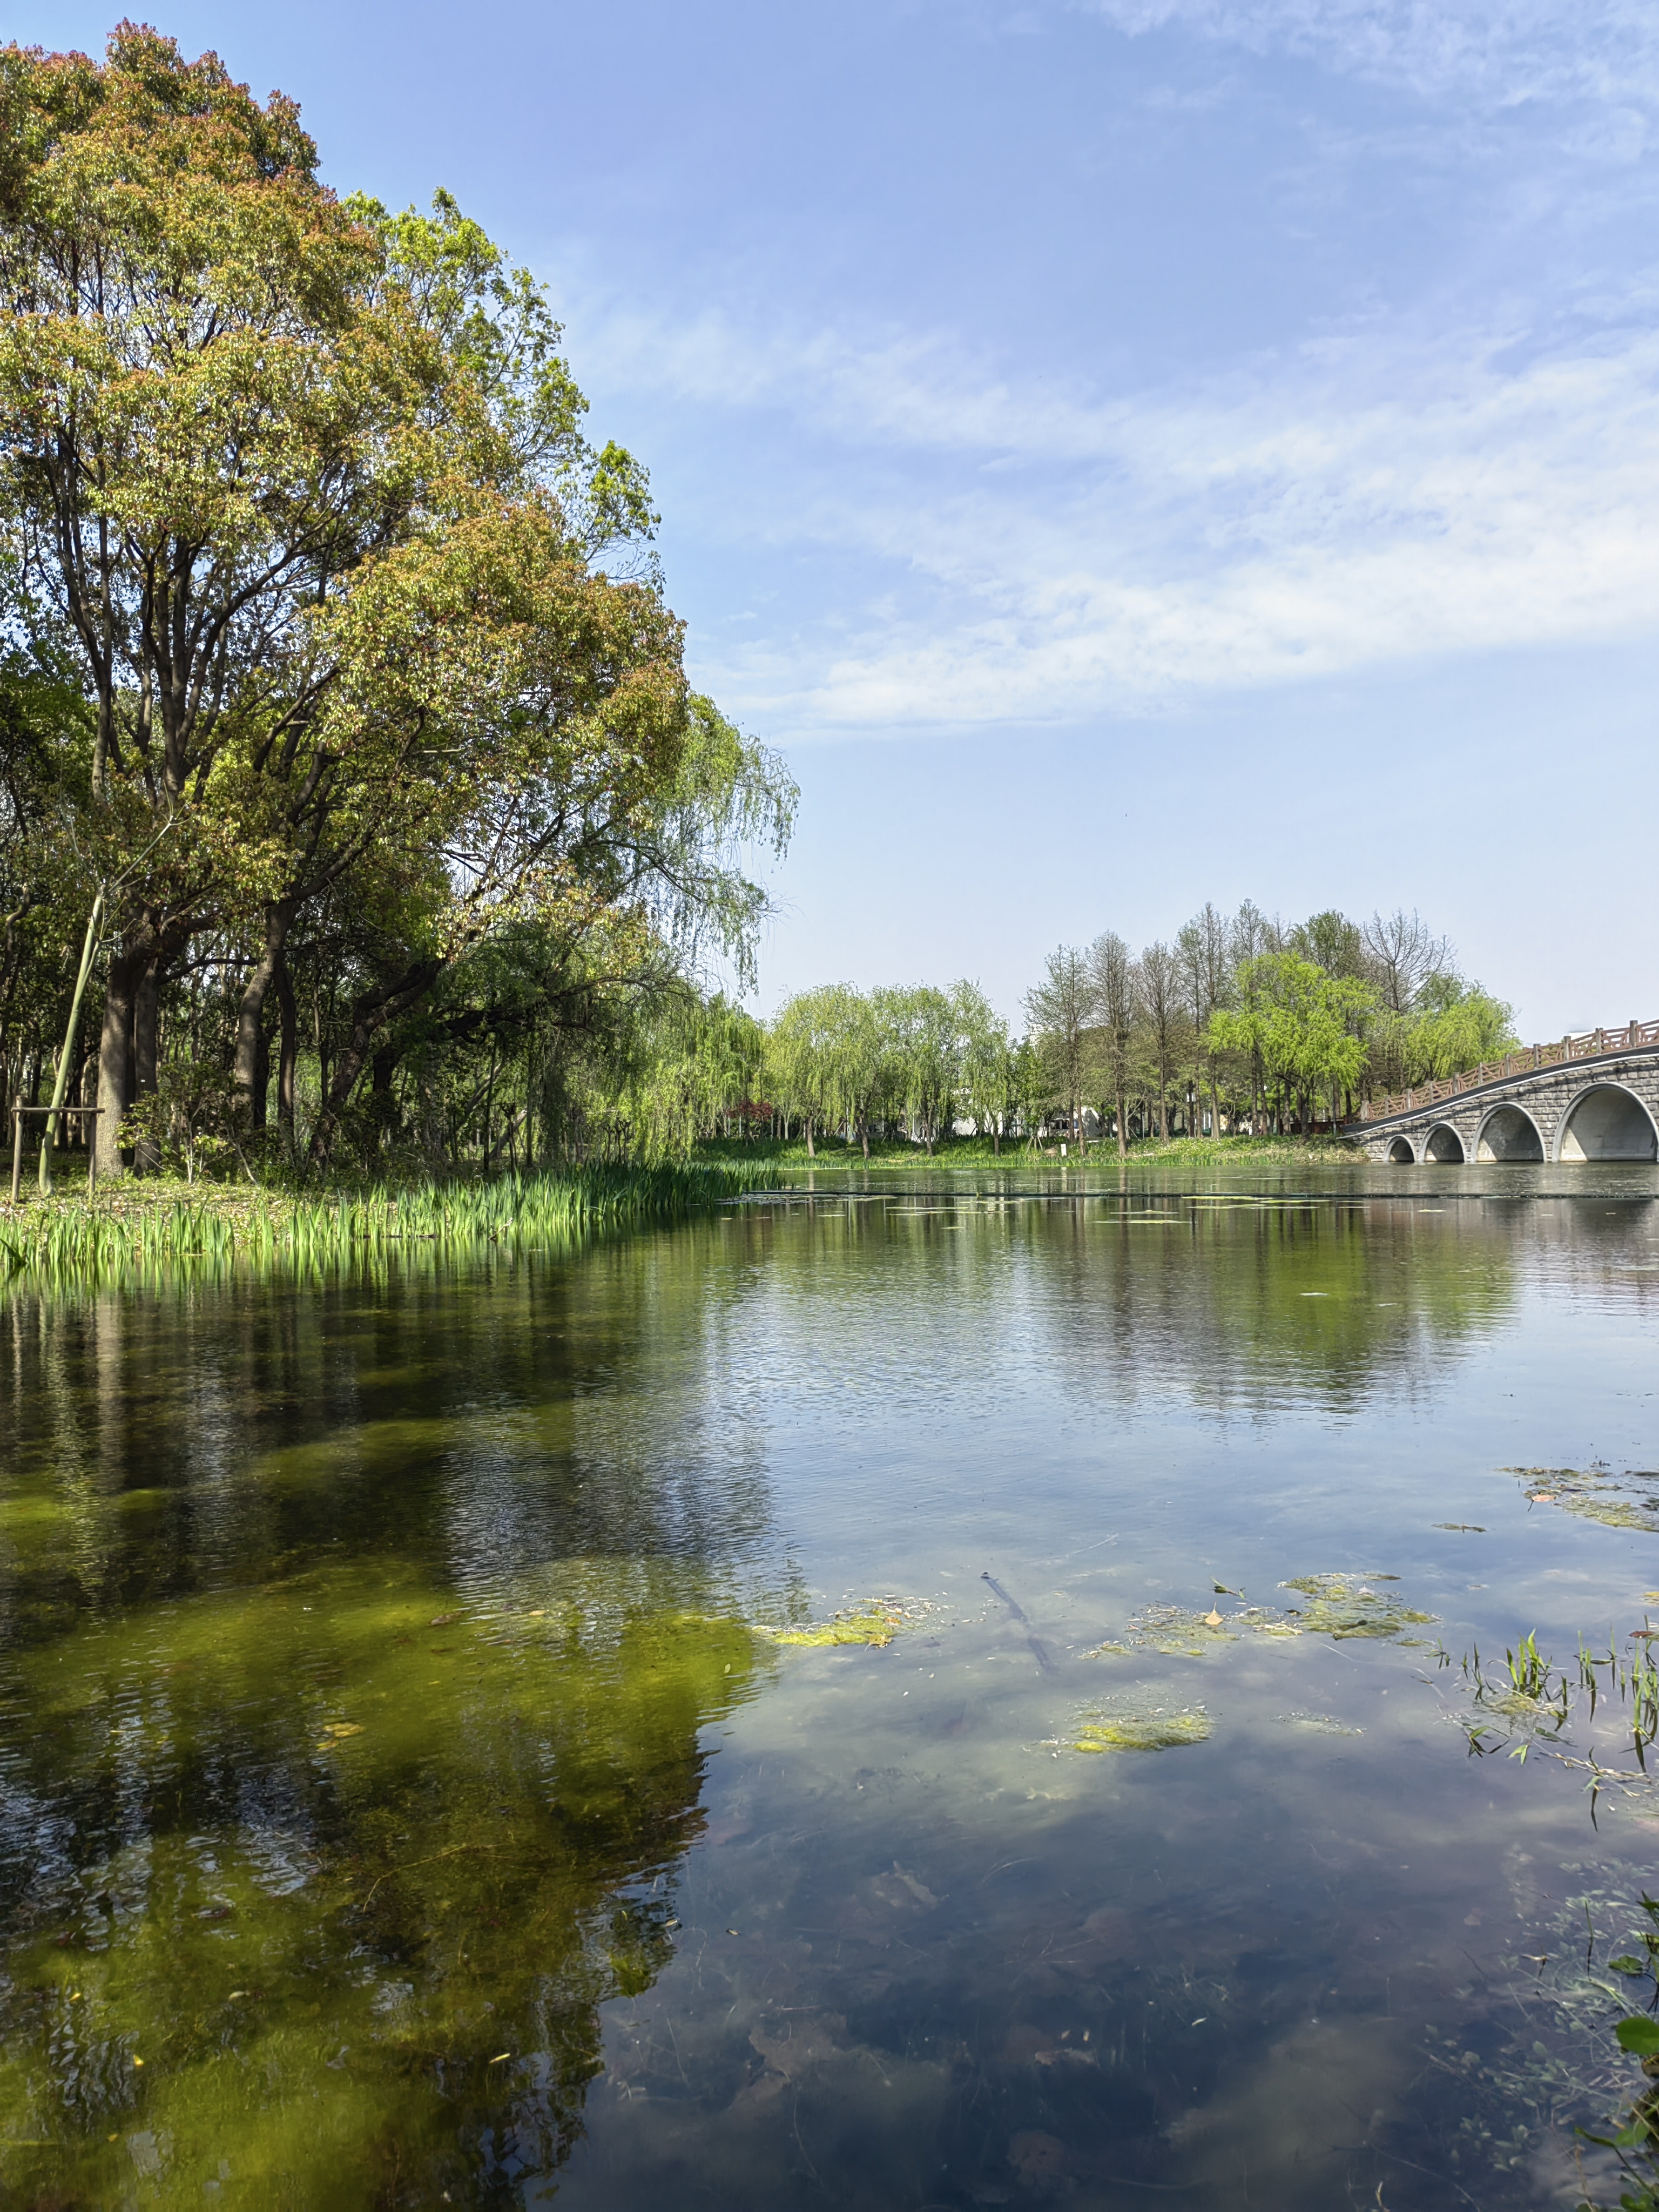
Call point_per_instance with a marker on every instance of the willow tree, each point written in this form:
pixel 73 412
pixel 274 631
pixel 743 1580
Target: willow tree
pixel 1306 1026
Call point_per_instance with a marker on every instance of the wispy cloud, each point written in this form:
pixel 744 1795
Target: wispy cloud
pixel 1048 555
pixel 1499 51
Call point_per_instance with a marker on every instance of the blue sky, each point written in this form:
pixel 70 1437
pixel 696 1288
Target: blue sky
pixel 1123 453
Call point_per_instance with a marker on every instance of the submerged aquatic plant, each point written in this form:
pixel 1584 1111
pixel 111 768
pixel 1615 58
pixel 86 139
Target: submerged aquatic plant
pixel 1150 1731
pixel 1627 1499
pixel 1181 1634
pixel 876 1624
pixel 1342 1606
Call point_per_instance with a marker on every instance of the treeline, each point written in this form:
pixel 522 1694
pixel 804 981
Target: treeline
pixel 1245 1021
pixel 352 792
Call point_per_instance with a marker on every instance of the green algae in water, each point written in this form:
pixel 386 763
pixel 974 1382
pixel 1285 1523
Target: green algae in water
pixel 1343 1606
pixel 874 1626
pixel 395 1856
pixel 1627 1499
pixel 1181 1634
pixel 1153 1731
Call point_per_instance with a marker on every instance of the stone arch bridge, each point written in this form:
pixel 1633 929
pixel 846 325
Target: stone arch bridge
pixel 1589 1097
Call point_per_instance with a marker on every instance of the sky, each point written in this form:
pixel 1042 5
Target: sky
pixel 1120 455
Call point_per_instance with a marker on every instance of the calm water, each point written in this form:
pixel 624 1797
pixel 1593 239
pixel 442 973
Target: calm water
pixel 402 1801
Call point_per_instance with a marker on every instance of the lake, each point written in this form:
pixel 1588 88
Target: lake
pixel 410 1792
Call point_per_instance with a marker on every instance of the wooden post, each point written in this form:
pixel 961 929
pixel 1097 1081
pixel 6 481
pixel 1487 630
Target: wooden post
pixel 16 1144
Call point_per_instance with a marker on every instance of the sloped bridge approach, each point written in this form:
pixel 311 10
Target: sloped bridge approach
pixel 1594 1097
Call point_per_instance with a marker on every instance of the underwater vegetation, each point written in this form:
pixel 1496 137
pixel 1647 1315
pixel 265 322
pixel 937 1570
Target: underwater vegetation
pixel 1337 1605
pixel 876 1624
pixel 1627 1499
pixel 1156 1730
pixel 1346 1605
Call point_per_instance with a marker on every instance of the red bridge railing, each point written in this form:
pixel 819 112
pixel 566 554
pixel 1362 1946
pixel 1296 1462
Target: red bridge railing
pixel 1592 1044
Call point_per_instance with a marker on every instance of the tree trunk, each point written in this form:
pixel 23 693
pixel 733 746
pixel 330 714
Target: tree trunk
pixel 250 1013
pixel 1123 1123
pixel 370 1013
pixel 811 1154
pixel 287 1049
pixel 258 1103
pixel 116 1072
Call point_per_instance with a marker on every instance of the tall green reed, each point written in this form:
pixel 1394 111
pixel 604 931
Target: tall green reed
pixel 123 1236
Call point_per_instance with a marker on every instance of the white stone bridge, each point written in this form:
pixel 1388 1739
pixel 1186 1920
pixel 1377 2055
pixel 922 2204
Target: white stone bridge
pixel 1589 1097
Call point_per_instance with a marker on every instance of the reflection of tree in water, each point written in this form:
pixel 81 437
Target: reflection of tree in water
pixel 1241 1305
pixel 356 1687
pixel 1244 1306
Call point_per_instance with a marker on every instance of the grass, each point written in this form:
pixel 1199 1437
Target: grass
pixel 137 1228
pixel 977 1153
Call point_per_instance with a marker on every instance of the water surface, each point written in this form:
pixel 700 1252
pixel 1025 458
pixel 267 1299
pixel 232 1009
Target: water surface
pixel 405 1797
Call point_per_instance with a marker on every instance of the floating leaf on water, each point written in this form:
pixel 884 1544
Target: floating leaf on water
pixel 1342 1606
pixel 1463 1528
pixel 1628 1965
pixel 1153 1731
pixel 1318 1723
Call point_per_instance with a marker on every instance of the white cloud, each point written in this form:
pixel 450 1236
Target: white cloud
pixel 1497 52
pixel 1046 556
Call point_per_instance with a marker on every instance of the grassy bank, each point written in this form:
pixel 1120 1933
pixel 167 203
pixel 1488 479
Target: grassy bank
pixel 139 1226
pixel 961 1153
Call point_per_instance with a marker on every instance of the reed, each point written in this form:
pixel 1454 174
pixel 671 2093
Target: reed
pixel 126 1234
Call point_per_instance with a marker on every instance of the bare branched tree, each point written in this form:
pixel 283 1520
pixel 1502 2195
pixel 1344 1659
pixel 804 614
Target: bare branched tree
pixel 1112 972
pixel 1159 997
pixel 1203 946
pixel 1060 1010
pixel 1404 953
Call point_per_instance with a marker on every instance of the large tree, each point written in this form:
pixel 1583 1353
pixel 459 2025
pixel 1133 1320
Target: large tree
pixel 302 485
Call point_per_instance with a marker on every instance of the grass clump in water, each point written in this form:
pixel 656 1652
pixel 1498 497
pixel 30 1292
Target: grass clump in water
pixel 1154 1731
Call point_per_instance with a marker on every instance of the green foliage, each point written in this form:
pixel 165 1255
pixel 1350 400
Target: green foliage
pixel 124 1239
pixel 342 658
pixel 1304 1026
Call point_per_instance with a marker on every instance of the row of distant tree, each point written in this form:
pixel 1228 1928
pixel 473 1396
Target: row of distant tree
pixel 1243 1022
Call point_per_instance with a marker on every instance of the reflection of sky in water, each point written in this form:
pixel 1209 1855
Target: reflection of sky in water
pixel 401 1630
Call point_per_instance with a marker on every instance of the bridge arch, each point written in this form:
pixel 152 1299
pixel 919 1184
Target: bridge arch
pixel 1607 1122
pixel 1509 1134
pixel 1444 1145
pixel 1400 1154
